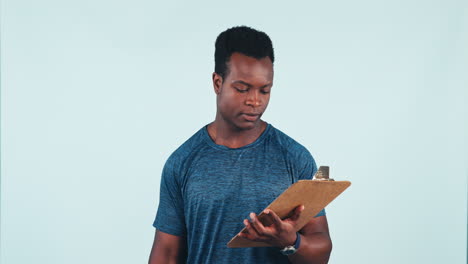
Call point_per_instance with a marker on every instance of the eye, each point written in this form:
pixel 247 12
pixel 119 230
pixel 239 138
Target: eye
pixel 241 90
pixel 265 92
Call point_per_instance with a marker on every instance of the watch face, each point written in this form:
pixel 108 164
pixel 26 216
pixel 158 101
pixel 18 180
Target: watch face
pixel 288 250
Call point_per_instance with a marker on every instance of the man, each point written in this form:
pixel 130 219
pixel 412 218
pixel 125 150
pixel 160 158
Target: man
pixel 233 167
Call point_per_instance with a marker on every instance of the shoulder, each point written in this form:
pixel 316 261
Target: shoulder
pixel 294 151
pixel 287 143
pixel 192 145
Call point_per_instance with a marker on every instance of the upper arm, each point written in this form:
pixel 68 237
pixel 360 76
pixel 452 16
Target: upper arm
pixel 169 246
pixel 316 245
pixel 170 216
pixel 168 249
pixel 316 225
pixel 317 235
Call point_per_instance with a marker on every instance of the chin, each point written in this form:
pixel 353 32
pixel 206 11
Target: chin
pixel 248 125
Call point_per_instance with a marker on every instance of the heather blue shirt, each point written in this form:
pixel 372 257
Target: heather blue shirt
pixel 208 189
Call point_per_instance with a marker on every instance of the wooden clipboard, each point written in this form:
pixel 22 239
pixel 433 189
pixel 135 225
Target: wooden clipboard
pixel 313 194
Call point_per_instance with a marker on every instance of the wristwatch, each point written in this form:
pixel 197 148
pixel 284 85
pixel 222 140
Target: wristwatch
pixel 289 250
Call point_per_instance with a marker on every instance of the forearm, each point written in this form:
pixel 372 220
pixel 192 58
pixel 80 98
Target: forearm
pixel 314 249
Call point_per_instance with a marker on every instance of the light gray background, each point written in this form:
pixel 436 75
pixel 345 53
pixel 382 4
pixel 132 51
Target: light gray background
pixel 95 95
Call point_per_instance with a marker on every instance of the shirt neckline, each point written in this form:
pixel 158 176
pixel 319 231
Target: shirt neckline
pixel 210 141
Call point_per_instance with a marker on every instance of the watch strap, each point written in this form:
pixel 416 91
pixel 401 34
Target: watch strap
pixel 298 241
pixel 289 250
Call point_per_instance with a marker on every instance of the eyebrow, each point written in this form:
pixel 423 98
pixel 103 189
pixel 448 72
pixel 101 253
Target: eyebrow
pixel 249 85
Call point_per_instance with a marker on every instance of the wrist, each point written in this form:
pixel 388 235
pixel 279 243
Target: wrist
pixel 290 241
pixel 292 248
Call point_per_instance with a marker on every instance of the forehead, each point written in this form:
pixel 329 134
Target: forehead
pixel 242 67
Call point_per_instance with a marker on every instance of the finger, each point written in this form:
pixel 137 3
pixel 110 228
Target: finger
pixel 297 212
pixel 257 225
pixel 251 233
pixel 274 218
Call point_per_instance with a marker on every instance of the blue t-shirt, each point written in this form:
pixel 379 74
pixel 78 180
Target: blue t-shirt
pixel 207 190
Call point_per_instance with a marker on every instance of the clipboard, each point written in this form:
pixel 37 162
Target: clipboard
pixel 314 194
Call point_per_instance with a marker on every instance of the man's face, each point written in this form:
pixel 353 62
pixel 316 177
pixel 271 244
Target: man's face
pixel 243 95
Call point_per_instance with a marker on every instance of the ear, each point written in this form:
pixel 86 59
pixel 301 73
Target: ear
pixel 217 82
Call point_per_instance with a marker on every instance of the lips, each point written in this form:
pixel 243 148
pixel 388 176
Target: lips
pixel 251 117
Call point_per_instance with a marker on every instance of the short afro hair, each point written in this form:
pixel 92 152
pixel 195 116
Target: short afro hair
pixel 242 39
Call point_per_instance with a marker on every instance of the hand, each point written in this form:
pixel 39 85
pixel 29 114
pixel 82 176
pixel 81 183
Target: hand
pixel 281 233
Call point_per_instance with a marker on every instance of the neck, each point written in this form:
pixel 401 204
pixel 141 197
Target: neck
pixel 225 134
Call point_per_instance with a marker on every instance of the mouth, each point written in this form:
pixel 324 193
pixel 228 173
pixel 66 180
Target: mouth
pixel 251 117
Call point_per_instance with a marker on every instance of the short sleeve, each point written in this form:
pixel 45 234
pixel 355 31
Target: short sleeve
pixel 306 164
pixel 170 216
pixel 308 169
pixel 321 213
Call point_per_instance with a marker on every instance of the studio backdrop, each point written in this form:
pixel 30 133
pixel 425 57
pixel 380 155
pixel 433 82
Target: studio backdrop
pixel 95 95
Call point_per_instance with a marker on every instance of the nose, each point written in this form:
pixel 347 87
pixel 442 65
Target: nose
pixel 253 98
